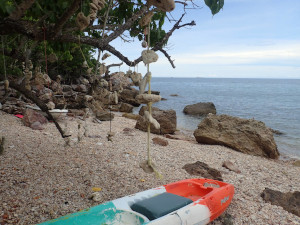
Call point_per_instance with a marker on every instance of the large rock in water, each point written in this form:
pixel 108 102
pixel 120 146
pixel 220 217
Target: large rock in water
pixel 166 118
pixel 200 109
pixel 248 136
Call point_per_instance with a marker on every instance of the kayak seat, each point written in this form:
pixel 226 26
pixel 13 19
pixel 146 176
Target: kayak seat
pixel 160 205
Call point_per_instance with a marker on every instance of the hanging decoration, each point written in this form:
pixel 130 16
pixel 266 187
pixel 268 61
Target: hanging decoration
pixel 146 19
pixel 148 56
pixel 162 5
pixel 6 82
pixel 105 56
pixel 82 21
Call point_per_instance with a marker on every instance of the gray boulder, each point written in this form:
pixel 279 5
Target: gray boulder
pixel 34 119
pixel 247 136
pixel 289 201
pixel 125 107
pixel 105 116
pixel 200 109
pixel 202 169
pixel 128 96
pixel 166 118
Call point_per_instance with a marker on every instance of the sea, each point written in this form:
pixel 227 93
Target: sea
pixel 276 102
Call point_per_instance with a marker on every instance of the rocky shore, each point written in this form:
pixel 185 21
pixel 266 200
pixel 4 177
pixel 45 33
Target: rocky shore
pixel 41 178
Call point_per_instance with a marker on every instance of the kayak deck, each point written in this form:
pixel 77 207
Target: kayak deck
pixel 191 201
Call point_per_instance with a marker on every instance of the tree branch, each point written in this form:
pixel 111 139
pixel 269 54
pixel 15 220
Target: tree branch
pixel 168 57
pixel 64 18
pixel 28 94
pixel 123 58
pixel 21 9
pixel 14 53
pixel 125 26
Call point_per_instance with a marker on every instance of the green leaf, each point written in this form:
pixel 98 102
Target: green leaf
pixel 214 5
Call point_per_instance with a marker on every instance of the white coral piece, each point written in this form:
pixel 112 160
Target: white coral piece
pixel 149 56
pixel 146 98
pixel 151 120
pixel 102 69
pixel 144 82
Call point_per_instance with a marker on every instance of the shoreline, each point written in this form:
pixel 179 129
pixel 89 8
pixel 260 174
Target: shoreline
pixel 283 156
pixel 41 179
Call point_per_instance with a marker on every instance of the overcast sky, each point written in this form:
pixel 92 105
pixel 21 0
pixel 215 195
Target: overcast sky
pixel 247 39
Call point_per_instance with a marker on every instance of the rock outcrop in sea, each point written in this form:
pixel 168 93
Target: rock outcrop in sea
pixel 200 109
pixel 248 136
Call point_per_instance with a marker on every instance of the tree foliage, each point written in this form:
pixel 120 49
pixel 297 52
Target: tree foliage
pixel 35 29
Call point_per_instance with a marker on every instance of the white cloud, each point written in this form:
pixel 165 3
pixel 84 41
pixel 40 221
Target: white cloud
pixel 288 54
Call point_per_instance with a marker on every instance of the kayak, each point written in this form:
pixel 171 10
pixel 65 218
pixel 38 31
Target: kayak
pixel 189 202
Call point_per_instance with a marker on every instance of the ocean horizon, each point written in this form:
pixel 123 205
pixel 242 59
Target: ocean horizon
pixel 272 101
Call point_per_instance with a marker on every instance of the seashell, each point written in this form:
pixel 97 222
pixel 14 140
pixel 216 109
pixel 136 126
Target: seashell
pixel 52 58
pixel 128 73
pixel 146 19
pixel 28 75
pixel 101 3
pixel 50 105
pixel 146 98
pixel 58 78
pixel 162 5
pixel 84 64
pixel 89 71
pixel 102 69
pixel 144 82
pixel 149 56
pixel 93 6
pixel 88 98
pixel 103 83
pixel 82 21
pixel 151 120
pixel 96 196
pixel 144 44
pixel 136 78
pixel 6 84
pixel 30 65
pixel 116 99
pixel 93 15
pixel 105 56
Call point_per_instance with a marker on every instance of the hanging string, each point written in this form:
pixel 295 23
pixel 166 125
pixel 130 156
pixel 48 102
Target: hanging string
pixel 45 45
pixel 150 103
pixel 5 78
pixel 81 50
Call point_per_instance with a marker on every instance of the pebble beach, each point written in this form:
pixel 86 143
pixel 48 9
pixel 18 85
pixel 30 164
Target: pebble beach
pixel 41 178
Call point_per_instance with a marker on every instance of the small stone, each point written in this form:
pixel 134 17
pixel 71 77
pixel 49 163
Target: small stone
pixel 229 165
pixel 160 141
pixel 96 196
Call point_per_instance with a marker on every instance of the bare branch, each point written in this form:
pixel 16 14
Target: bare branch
pixel 21 9
pixel 121 56
pixel 180 2
pixel 14 53
pixel 64 18
pixel 125 26
pixel 168 57
pixel 114 65
pixel 28 94
pixel 100 26
pixel 168 35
